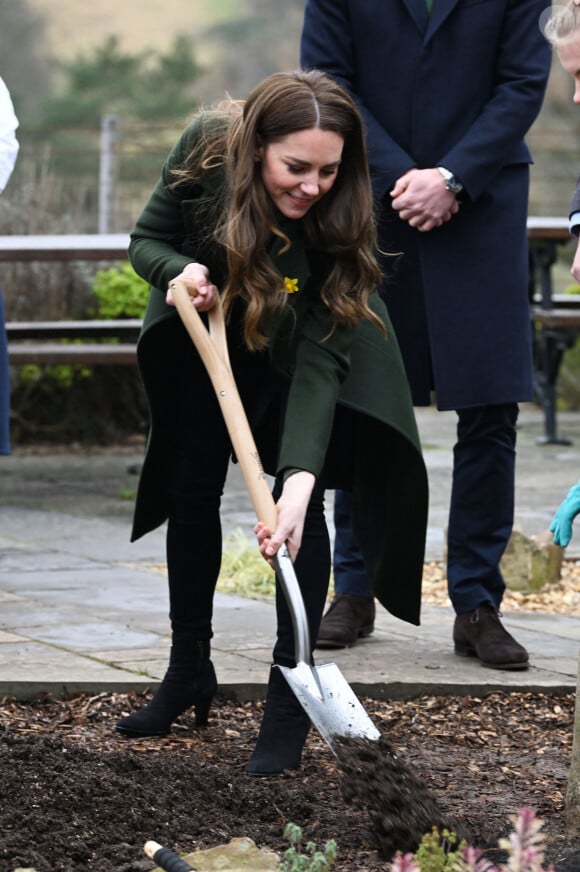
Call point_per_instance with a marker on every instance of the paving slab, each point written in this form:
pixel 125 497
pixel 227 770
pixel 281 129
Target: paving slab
pixel 84 609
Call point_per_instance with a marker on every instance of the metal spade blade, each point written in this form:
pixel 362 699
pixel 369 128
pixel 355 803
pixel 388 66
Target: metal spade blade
pixel 322 691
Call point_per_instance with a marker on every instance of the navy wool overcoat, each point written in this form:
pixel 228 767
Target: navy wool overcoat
pixel 458 88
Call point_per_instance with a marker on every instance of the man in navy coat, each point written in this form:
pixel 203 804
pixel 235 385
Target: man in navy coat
pixel 562 29
pixel 448 90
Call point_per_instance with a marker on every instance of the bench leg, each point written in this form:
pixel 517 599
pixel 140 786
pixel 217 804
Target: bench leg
pixel 552 347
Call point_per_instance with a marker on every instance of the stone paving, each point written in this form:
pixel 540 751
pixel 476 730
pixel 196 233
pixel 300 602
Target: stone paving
pixel 81 608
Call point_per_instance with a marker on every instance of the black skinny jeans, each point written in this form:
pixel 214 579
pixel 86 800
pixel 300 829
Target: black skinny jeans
pixel 199 460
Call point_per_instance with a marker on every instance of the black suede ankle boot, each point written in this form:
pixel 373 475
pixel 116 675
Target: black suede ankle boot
pixel 283 730
pixel 190 680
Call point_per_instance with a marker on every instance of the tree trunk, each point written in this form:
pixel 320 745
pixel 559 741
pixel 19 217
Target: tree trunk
pixel 573 791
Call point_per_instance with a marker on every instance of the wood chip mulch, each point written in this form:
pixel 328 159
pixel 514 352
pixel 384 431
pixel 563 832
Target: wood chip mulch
pixel 561 598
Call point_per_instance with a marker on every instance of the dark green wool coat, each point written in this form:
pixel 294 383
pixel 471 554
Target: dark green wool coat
pixel 349 415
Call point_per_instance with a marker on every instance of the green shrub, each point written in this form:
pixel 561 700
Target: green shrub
pixel 93 406
pixel 120 292
pixel 73 402
pixel 62 374
pixel 438 852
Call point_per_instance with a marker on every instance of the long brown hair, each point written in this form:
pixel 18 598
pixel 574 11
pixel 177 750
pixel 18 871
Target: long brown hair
pixel 340 223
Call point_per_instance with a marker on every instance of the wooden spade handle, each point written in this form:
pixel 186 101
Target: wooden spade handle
pixel 213 350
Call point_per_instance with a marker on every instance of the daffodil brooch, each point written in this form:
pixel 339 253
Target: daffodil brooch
pixel 291 285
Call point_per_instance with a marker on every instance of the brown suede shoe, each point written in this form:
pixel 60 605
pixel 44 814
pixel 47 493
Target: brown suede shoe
pixel 348 618
pixel 480 634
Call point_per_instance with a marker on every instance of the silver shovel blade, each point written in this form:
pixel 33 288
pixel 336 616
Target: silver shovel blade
pixel 329 701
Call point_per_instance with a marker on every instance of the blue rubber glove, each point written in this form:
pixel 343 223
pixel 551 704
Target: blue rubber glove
pixel 561 525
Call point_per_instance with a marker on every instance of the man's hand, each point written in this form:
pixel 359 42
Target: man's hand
pixel 291 507
pixel 421 198
pixel 203 293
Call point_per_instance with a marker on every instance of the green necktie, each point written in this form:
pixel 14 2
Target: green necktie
pixel 429 5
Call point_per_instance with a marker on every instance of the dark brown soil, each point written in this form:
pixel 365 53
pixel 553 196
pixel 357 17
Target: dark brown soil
pixel 77 796
pixel 400 807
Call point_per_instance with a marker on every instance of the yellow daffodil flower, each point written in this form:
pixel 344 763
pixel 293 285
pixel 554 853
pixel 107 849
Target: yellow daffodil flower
pixel 291 285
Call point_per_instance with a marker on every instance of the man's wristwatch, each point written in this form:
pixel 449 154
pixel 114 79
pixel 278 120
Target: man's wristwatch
pixel 452 183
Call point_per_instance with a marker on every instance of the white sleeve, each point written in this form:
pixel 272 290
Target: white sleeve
pixel 8 143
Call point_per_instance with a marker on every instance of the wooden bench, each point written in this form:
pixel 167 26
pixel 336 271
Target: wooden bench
pixel 564 312
pixel 64 247
pixel 557 316
pixel 37 342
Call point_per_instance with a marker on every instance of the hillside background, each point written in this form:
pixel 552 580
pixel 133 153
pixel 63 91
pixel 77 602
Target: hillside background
pixel 237 43
pixel 73 27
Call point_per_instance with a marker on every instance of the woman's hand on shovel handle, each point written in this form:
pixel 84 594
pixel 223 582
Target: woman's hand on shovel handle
pixel 291 508
pixel 203 293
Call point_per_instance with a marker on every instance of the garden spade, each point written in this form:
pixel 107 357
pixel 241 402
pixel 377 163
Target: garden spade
pixel 323 692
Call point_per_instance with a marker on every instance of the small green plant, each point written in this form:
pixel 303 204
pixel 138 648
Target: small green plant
pixel 306 858
pixel 61 374
pixel 438 851
pixel 120 292
pixel 524 847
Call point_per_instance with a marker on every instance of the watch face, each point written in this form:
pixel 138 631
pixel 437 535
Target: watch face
pixel 451 183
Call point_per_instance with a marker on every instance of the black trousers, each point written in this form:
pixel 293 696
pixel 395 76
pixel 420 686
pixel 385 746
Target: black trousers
pixel 200 455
